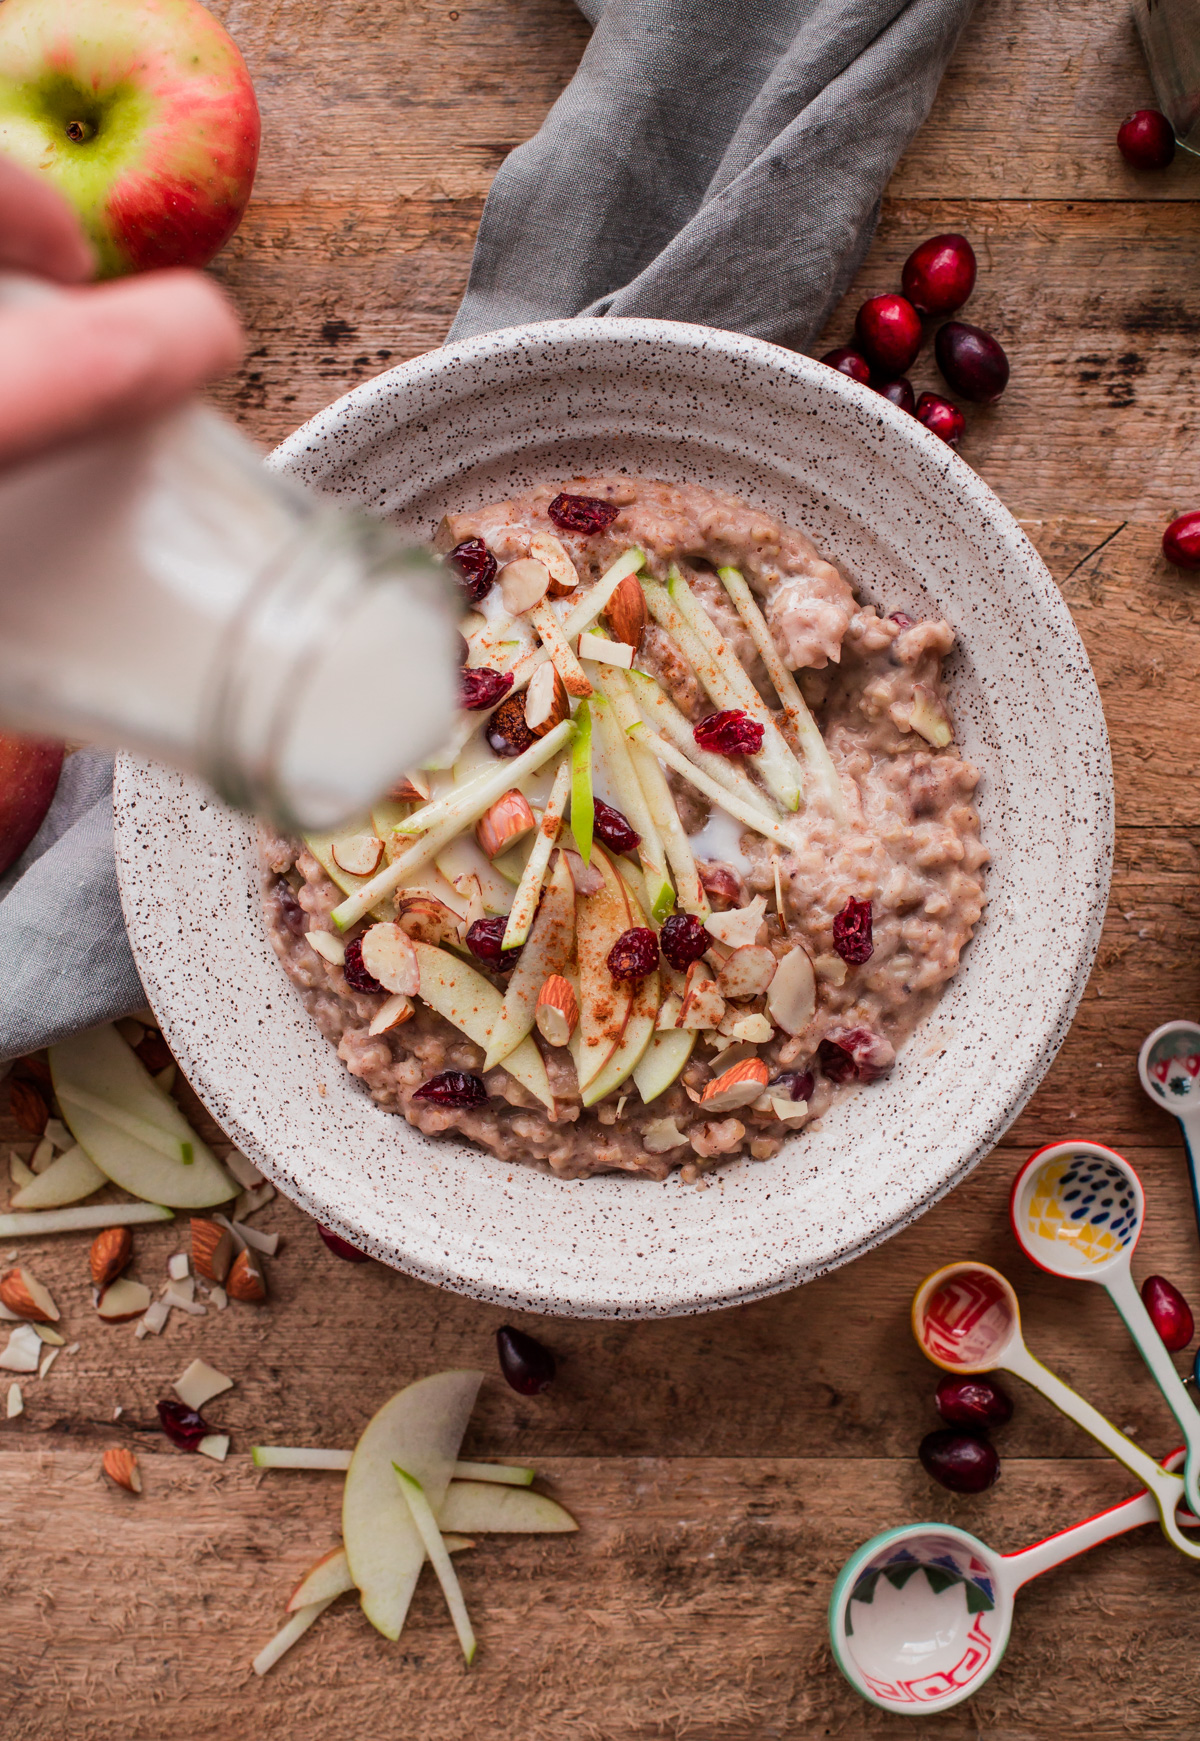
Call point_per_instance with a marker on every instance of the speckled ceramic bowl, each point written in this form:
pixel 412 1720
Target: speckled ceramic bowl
pixel 912 525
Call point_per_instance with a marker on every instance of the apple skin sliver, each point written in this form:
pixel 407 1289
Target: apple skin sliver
pixel 421 1429
pixel 435 1547
pixel 65 1180
pixel 287 1635
pixel 81 1219
pixel 604 1003
pixel 546 953
pixel 100 1063
pixel 529 888
pixel 485 1508
pixel 313 1457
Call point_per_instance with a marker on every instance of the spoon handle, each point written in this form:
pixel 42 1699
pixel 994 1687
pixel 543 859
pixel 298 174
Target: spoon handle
pixel 1137 1461
pixel 1189 1124
pixel 1031 1562
pixel 1124 1295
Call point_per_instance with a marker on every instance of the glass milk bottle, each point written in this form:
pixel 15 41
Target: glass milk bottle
pixel 163 592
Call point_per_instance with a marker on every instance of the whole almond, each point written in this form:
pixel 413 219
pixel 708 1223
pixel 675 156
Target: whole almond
pixel 736 1087
pixel 28 1107
pixel 26 1296
pixel 545 548
pixel 212 1250
pixel 625 612
pixel 121 1466
pixel 247 1281
pixel 111 1251
pixel 557 1010
pixel 546 701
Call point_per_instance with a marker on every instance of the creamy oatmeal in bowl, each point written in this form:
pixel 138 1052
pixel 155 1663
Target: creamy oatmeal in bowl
pixel 700 856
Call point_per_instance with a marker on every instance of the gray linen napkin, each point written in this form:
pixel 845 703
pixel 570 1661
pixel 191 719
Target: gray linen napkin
pixel 719 161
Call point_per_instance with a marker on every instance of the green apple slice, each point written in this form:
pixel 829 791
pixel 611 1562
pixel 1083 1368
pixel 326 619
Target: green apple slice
pixel 663 1061
pixel 82 1218
pixel 638 1034
pixel 151 1136
pixel 547 952
pixel 483 1508
pixel 502 1474
pixel 583 804
pixel 329 1577
pixel 735 807
pixel 99 1066
pixel 421 1429
pixel 630 796
pixel 320 1457
pixel 808 734
pixel 463 858
pixel 457 991
pixel 65 1180
pixel 321 847
pixel 662 715
pixel 604 1003
pixel 439 1559
pixel 529 888
pixel 287 1635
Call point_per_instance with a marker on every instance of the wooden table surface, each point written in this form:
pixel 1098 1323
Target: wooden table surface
pixel 721 1467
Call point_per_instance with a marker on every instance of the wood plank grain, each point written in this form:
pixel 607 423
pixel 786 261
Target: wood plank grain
pixel 690 1603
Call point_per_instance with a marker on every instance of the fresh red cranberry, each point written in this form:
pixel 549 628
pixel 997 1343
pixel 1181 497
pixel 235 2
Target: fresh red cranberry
pixel 793 1084
pixel 888 329
pixel 848 362
pixel 290 910
pixel 527 1365
pixel 1146 139
pixel 482 687
pixel 939 276
pixel 476 566
pixel 634 954
pixel 973 1402
pixel 1181 540
pixel 900 392
pixel 582 513
pixel 852 937
pixel 454 1089
pixel 613 828
pixel 484 939
pixel 683 940
pixel 507 732
pixel 342 1247
pixel 856 1056
pixel 1170 1311
pixel 959 1461
pixel 731 733
pixel 182 1425
pixel 972 361
pixel 357 977
pixel 945 420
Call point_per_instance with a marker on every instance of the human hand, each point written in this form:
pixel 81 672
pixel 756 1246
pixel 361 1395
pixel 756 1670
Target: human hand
pixel 102 357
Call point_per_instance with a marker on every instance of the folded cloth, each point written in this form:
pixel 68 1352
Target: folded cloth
pixel 65 961
pixel 719 161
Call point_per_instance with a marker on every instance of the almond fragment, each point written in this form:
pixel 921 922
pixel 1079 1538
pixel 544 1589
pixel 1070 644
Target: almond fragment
pixel 427 919
pixel 736 1087
pixel 121 1466
pixel 742 1025
pixel 26 1296
pixel 557 1010
pixel 625 612
pixel 28 1107
pixel 199 1383
pixel 42 1157
pixel 737 926
pixel 247 1282
pixel 661 1135
pixel 747 972
pixel 111 1251
pixel 389 957
pixel 703 1006
pixel 510 819
pixel 357 853
pixel 397 1009
pixel 587 879
pixel 16 1402
pixel 410 787
pixel 792 998
pixel 243 1169
pixel 22 1351
pixel 605 652
pixel 545 548
pixel 123 1300
pixel 212 1250
pixel 523 584
pixel 546 701
pixel 327 945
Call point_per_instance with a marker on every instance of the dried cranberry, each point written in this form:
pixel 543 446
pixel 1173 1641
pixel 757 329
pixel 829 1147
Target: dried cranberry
pixel 973 1402
pixel 972 361
pixel 959 1461
pixel 888 330
pixel 527 1365
pixel 454 1089
pixel 482 687
pixel 182 1425
pixel 290 910
pixel 484 939
pixel 900 393
pixel 795 1084
pixel 683 940
pixel 613 828
pixel 721 883
pixel 1181 541
pixel 852 932
pixel 856 1056
pixel 582 513
pixel 849 362
pixel 1146 139
pixel 477 567
pixel 357 977
pixel 634 954
pixel 1170 1311
pixel 342 1247
pixel 945 420
pixel 506 731
pixel 732 733
pixel 939 276
pixel 154 1052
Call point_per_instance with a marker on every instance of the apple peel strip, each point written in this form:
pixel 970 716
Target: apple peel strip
pixel 439 1559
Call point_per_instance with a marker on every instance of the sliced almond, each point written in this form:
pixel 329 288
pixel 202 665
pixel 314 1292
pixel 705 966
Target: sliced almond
pixel 110 1252
pixel 16 1402
pixel 250 1202
pixel 625 613
pixel 738 926
pixel 153 1319
pixel 178 1266
pixel 557 1011
pixel 247 1279
pixel 388 955
pixel 702 1006
pixel 23 1350
pixel 122 1300
pixel 199 1383
pixel 358 853
pixel 738 1086
pixel 212 1250
pixel 545 548
pixel 546 700
pixel 668 1014
pixel 746 972
pixel 661 1135
pixel 326 944
pixel 121 1466
pixel 509 820
pixel 746 1025
pixel 243 1169
pixel 25 1295
pixel 46 1333
pixel 792 998
pixel 396 1010
pixel 523 584
pixel 424 916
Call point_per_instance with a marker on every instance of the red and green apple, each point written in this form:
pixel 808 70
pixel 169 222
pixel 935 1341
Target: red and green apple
pixel 29 770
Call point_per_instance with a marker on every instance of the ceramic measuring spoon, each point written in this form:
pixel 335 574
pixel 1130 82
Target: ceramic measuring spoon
pixel 966 1319
pixel 920 1616
pixel 1169 1066
pixel 1077 1210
